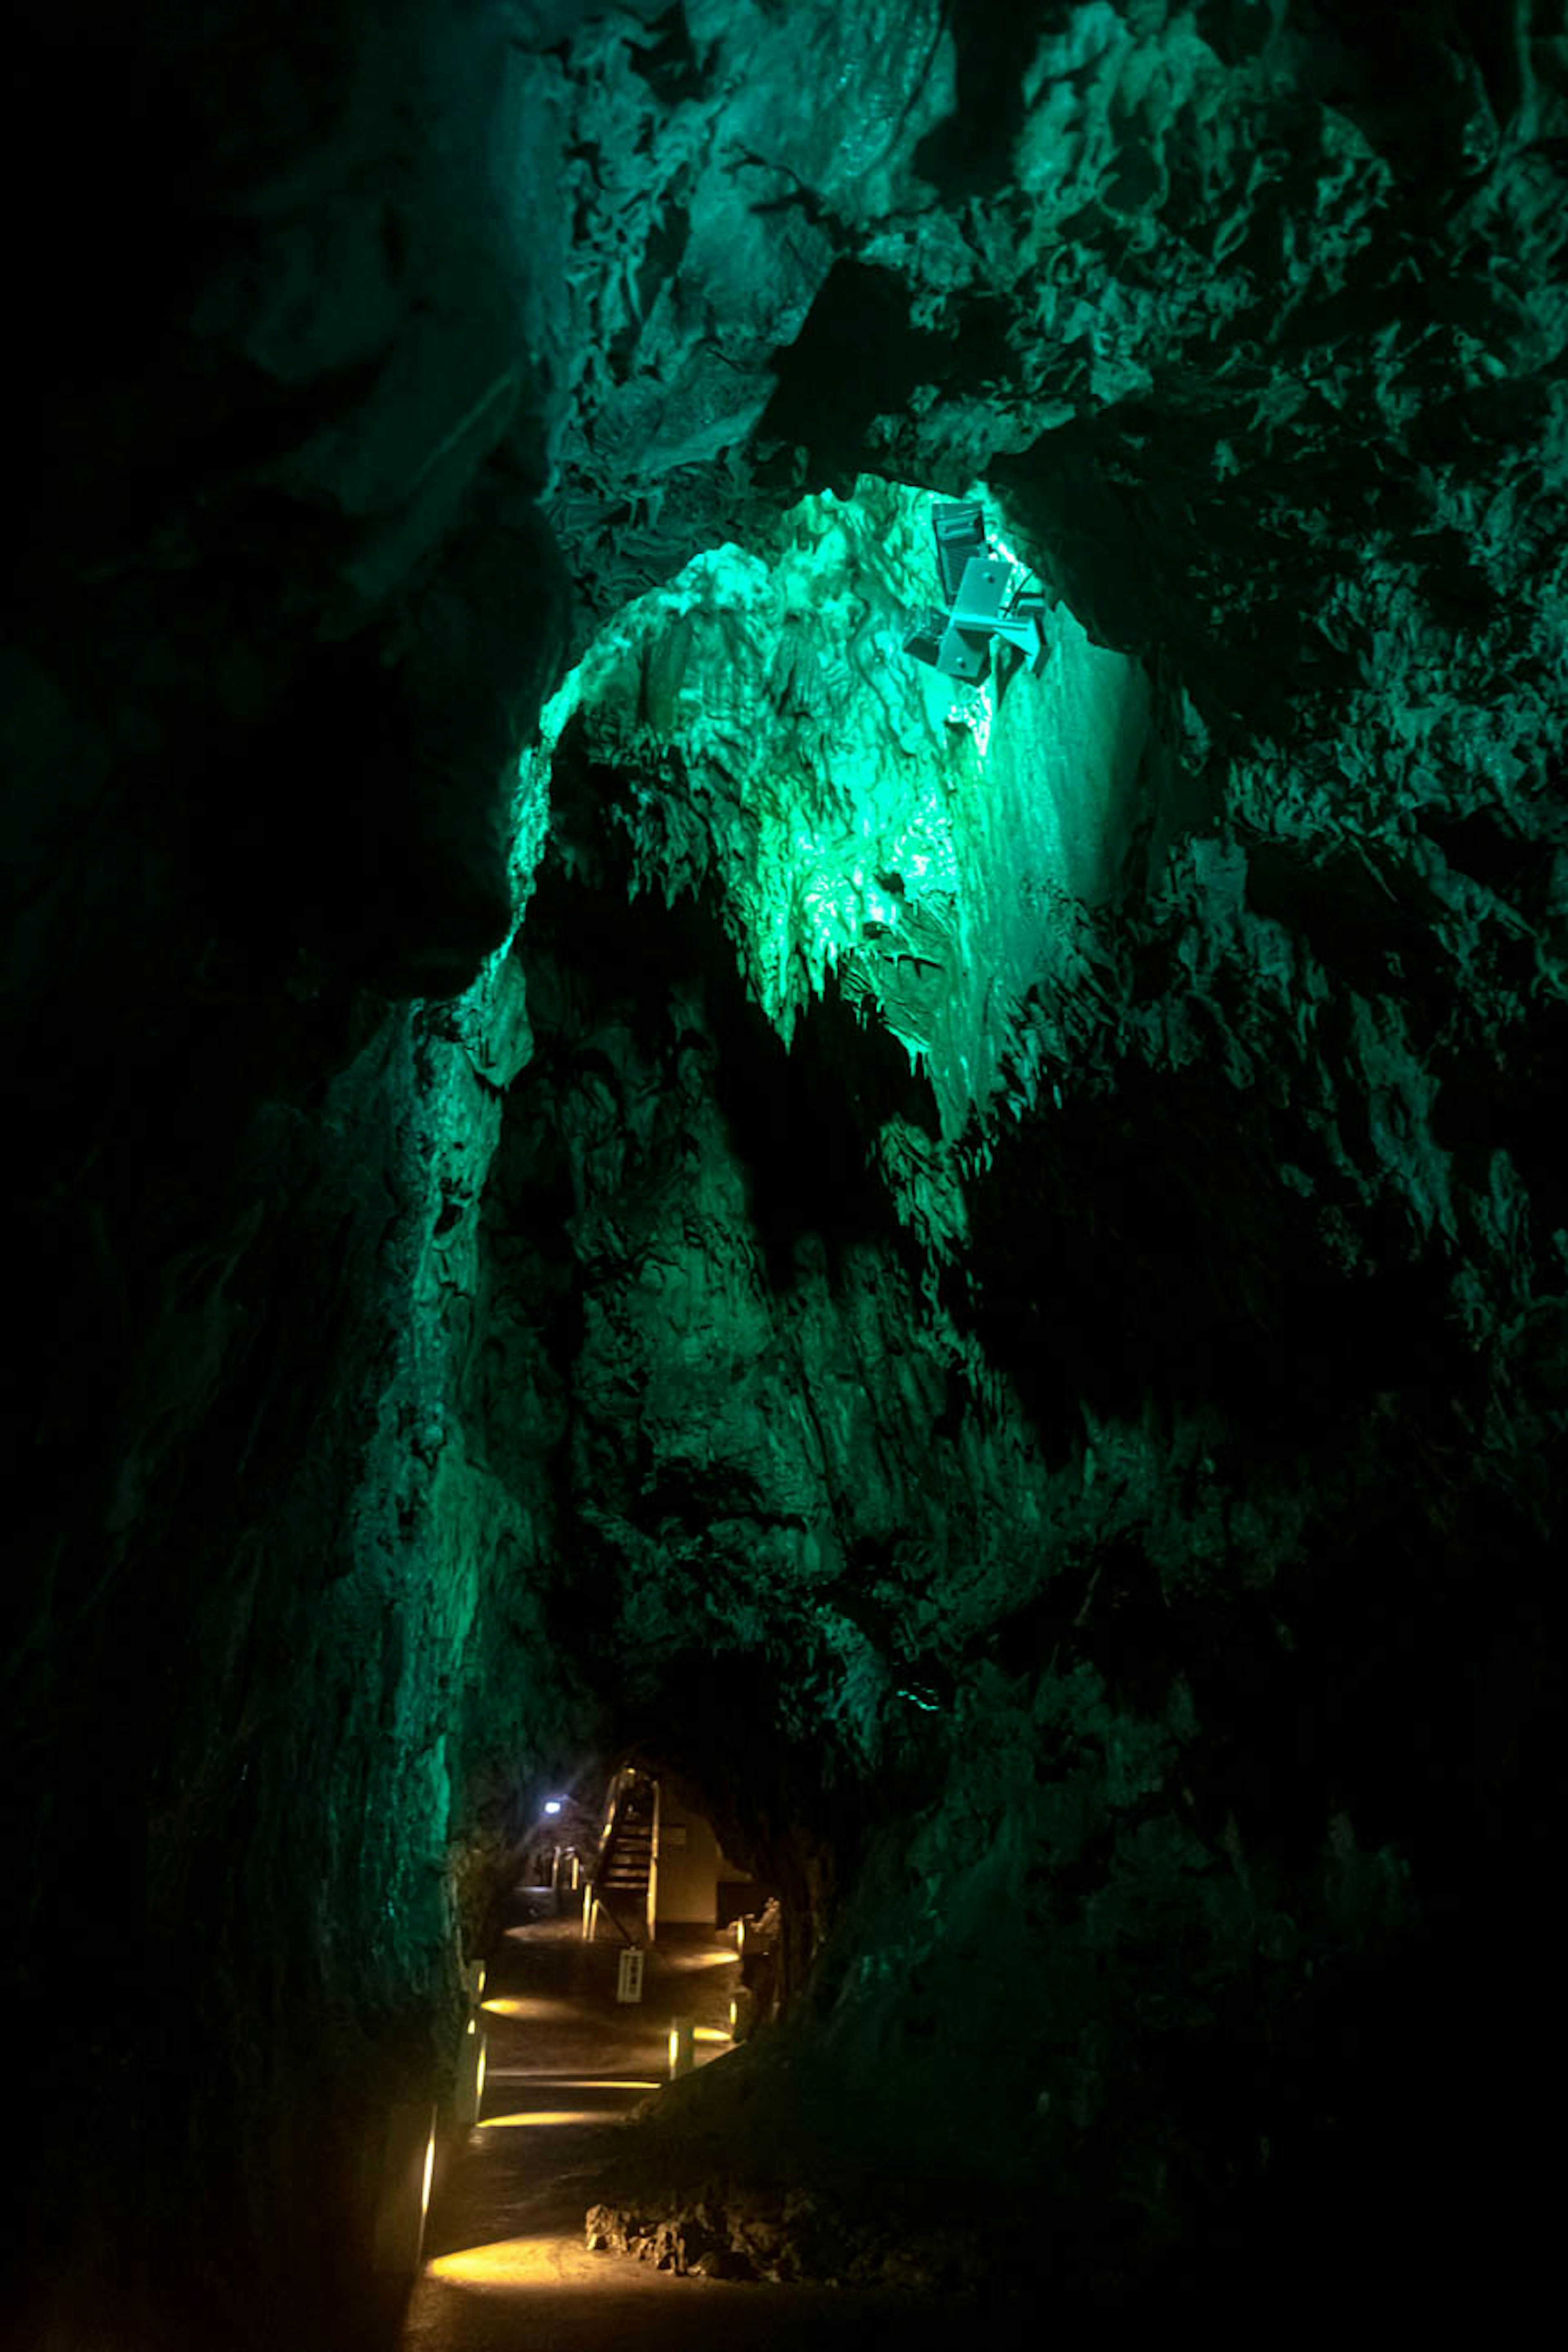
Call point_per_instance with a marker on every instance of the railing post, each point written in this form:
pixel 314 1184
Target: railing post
pixel 653 1869
pixel 590 1896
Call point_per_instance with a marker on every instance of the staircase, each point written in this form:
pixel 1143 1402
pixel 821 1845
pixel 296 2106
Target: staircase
pixel 621 1883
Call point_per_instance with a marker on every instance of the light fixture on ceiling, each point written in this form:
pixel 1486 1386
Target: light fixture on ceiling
pixel 984 609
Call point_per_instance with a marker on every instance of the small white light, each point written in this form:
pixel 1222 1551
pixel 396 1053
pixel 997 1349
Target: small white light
pixel 553 1804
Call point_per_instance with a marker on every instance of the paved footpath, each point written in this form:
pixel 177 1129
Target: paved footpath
pixel 506 2266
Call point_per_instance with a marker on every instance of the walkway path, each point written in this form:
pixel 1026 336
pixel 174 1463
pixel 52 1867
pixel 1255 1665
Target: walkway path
pixel 506 2266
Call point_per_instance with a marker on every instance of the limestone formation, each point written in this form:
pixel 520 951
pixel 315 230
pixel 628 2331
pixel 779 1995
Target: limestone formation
pixel 602 1163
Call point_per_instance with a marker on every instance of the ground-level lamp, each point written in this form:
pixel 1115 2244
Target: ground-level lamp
pixel 683 2046
pixel 470 2091
pixel 408 2168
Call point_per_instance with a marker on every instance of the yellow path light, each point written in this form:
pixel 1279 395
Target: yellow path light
pixel 507 2263
pixel 470 2090
pixel 407 2169
pixel 539 2118
pixel 568 2081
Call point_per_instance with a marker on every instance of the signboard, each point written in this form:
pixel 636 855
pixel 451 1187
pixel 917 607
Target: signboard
pixel 628 1976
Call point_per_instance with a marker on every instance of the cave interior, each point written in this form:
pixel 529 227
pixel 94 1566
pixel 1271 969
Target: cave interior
pixel 609 1165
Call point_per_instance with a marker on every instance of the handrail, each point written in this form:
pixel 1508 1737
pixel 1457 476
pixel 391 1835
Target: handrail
pixel 592 1904
pixel 609 1821
pixel 652 1904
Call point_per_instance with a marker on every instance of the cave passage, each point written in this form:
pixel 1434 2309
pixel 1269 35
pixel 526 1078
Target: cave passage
pixel 615 1975
pixel 564 2060
pixel 786 981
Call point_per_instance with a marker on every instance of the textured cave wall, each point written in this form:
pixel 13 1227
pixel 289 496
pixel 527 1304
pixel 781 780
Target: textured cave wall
pixel 1041 1512
pixel 1039 1389
pixel 283 608
pixel 1156 1486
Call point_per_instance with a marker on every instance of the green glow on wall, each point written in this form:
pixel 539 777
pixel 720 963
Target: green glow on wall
pixel 776 743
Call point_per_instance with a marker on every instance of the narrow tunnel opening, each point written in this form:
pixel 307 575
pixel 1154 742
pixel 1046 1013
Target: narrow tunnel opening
pixel 631 1952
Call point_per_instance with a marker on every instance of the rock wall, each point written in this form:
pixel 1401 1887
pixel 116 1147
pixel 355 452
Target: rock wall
pixel 984 1278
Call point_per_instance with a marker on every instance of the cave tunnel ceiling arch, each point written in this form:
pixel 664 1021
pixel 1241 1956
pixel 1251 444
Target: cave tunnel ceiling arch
pixel 979 1271
pixel 852 810
pixel 776 807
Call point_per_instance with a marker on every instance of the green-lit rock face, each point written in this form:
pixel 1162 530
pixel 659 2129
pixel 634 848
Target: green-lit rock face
pixel 853 811
pixel 603 1159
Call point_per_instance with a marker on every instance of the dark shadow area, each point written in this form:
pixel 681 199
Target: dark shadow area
pixel 802 1117
pixel 971 152
pixel 856 357
pixel 669 61
pixel 1375 934
pixel 1145 1253
pixel 1146 536
pixel 1365 63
